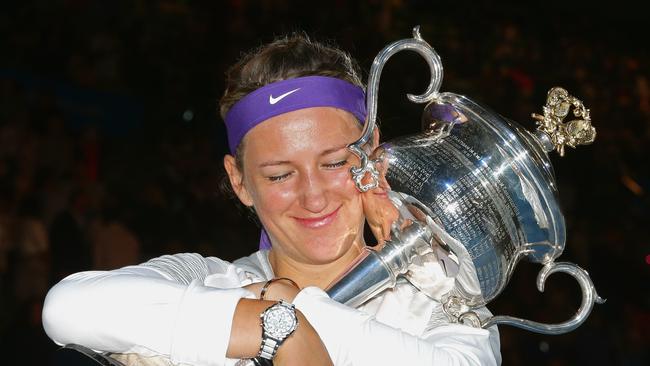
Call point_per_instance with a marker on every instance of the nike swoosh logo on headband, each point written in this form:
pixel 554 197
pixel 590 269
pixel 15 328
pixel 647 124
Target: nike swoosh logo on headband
pixel 279 98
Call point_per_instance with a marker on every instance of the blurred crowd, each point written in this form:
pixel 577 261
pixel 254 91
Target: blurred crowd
pixel 111 144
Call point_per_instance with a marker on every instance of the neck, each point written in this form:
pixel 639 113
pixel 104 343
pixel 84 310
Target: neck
pixel 305 274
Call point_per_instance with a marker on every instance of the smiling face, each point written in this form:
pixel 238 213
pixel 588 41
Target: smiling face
pixel 296 176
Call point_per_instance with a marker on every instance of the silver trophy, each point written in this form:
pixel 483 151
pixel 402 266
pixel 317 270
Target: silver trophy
pixel 475 193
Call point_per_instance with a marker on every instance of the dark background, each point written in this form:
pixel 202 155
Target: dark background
pixel 111 146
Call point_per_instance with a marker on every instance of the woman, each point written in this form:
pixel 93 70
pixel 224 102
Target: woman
pixel 291 108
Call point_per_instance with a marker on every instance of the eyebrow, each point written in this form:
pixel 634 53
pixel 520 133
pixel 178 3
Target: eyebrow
pixel 274 162
pixel 282 162
pixel 334 149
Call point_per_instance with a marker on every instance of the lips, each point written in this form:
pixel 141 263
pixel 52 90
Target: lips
pixel 318 222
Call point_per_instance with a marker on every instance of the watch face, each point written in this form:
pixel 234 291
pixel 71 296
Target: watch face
pixel 279 322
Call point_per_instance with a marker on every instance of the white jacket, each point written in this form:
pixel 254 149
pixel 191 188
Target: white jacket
pixel 181 307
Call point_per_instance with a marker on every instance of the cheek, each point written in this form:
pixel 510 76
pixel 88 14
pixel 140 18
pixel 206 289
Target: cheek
pixel 274 198
pixel 338 178
pixel 342 184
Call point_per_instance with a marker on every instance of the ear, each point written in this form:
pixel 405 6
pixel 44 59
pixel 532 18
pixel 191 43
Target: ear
pixel 237 180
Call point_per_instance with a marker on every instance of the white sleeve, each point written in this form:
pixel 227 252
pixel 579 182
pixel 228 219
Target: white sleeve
pixel 161 307
pixel 353 337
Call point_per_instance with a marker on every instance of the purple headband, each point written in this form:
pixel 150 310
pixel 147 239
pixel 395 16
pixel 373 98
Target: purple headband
pixel 286 96
pixel 290 95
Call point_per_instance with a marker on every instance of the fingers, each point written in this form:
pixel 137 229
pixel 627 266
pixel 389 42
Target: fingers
pixel 380 213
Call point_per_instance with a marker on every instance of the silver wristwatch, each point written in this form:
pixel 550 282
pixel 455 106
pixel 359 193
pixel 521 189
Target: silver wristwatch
pixel 278 322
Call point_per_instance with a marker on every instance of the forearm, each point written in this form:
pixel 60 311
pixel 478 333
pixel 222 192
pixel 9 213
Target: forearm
pixel 123 312
pixel 246 331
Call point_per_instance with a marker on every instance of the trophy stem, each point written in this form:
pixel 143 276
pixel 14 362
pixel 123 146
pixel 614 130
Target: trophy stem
pixel 369 276
pixel 377 269
pixel 589 297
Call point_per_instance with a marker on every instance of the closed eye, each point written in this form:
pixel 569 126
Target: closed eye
pixel 338 164
pixel 277 178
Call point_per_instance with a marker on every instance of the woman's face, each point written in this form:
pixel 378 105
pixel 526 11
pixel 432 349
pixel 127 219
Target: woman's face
pixel 296 175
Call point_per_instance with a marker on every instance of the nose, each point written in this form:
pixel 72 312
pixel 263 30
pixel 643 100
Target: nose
pixel 313 192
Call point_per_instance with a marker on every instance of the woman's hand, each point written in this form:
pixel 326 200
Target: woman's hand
pixel 379 210
pixel 380 213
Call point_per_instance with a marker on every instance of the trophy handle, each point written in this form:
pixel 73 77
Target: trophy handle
pixel 418 45
pixel 589 297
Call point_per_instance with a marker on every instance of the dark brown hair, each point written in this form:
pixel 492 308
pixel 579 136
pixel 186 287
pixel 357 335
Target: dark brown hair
pixel 286 57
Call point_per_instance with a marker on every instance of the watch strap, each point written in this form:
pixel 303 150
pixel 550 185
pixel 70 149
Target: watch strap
pixel 269 347
pixel 259 361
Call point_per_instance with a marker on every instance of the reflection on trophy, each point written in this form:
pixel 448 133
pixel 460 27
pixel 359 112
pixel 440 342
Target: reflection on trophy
pixel 475 193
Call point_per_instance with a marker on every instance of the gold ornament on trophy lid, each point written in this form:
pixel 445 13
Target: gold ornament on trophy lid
pixel 576 132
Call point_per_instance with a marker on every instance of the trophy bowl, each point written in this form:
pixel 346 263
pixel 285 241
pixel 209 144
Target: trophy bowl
pixel 479 194
pixel 486 181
